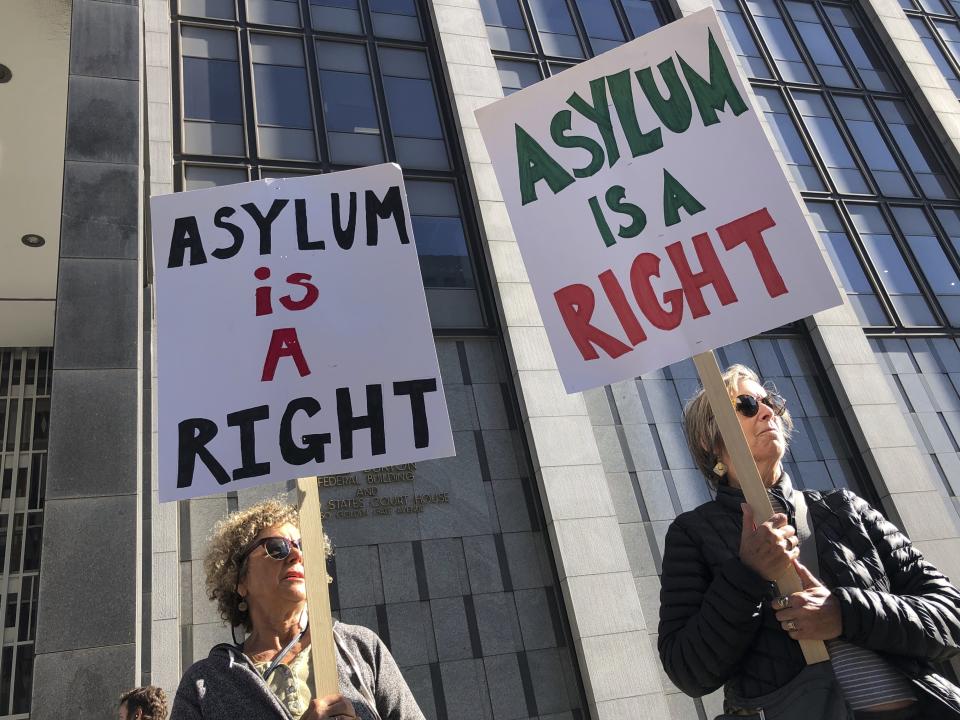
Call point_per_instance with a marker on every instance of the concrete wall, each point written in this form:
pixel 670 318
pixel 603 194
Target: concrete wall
pixel 87 631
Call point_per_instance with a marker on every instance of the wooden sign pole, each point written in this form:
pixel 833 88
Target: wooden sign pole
pixel 747 474
pixel 323 654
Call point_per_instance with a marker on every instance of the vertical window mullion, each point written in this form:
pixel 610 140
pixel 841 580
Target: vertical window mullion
pixel 313 82
pixel 379 94
pixel 246 89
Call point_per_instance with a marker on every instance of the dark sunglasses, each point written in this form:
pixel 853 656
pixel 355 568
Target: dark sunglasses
pixel 749 406
pixel 277 547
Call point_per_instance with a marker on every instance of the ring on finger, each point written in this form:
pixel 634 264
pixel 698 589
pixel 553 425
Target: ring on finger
pixel 782 602
pixel 790 626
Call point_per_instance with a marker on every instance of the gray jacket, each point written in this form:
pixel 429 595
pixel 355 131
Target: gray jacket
pixel 226 686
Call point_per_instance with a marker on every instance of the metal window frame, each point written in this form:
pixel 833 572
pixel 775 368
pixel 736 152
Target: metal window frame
pixel 29 374
pixel 253 163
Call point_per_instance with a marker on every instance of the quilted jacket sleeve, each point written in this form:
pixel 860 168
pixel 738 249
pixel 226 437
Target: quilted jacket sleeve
pixel 707 622
pixel 920 617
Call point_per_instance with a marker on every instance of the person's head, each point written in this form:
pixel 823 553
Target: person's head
pixel 766 424
pixel 254 564
pixel 143 703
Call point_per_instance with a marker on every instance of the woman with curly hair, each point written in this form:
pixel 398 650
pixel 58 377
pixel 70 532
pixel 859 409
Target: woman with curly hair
pixel 143 703
pixel 254 568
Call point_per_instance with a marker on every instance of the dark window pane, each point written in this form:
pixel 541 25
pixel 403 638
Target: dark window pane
pixel 505 26
pixel 282 96
pixel 10 618
pixel 926 248
pixel 31 557
pixel 934 6
pixel 412 107
pixel 778 41
pixel 41 424
pixel 872 147
pixel 16 541
pixel 274 12
pixel 788 139
pixel 890 265
pixel 336 16
pixel 858 48
pixel 818 44
pixel 743 43
pixel 601 23
pixel 556 28
pixel 437 226
pixel 199 177
pixel 211 90
pixel 516 75
pixel 223 9
pixel 395 19
pixel 23 679
pixel 920 158
pixel 642 15
pixel 845 261
pixel 829 143
pixel 348 103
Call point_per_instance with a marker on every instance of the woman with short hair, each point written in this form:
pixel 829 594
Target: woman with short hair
pixel 254 568
pixel 884 612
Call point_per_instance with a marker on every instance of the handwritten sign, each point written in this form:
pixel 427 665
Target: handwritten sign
pixel 653 217
pixel 274 301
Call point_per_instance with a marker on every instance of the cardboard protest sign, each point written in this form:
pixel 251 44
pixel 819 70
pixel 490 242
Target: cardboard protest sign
pixel 292 333
pixel 653 217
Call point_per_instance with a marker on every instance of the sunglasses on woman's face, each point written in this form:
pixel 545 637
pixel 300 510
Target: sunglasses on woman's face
pixel 277 547
pixel 749 405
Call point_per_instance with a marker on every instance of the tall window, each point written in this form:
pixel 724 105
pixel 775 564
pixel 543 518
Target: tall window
pixel 856 150
pixel 276 88
pixel 25 377
pixel 533 39
pixel 884 201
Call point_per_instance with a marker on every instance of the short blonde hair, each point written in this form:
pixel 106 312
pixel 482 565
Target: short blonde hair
pixel 703 434
pixel 231 536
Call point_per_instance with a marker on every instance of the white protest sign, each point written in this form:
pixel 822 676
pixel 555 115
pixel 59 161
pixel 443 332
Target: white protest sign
pixel 653 217
pixel 292 333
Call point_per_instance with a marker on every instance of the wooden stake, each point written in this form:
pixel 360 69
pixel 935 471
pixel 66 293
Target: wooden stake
pixel 323 654
pixel 747 474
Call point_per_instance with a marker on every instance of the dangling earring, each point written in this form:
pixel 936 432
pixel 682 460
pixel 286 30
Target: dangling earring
pixel 242 605
pixel 719 469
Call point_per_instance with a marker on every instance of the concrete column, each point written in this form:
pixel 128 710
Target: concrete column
pixel 618 664
pixel 162 564
pixel 89 605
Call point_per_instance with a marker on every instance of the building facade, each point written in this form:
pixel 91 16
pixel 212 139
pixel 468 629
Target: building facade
pixel 532 589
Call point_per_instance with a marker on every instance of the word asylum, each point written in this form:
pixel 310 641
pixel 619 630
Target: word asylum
pixel 188 246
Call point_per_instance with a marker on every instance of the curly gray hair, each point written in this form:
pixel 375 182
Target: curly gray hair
pixel 230 537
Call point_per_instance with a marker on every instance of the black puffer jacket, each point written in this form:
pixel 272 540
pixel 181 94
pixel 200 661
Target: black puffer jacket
pixel 717 627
